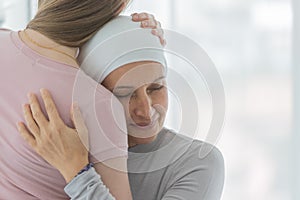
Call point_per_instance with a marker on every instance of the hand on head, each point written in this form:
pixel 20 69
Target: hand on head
pixel 149 21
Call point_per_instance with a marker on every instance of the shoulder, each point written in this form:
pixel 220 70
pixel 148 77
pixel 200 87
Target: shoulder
pixel 7 44
pixel 4 31
pixel 7 39
pixel 4 34
pixel 196 152
pixel 199 171
pixel 205 151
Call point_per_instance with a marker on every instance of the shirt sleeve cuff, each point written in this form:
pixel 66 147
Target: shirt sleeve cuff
pixel 88 185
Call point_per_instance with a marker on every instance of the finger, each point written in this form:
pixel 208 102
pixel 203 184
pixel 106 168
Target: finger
pixel 36 111
pixel 160 34
pixel 149 24
pixel 137 17
pixel 79 124
pixel 158 25
pixel 31 124
pixel 28 137
pixel 50 106
pixel 133 15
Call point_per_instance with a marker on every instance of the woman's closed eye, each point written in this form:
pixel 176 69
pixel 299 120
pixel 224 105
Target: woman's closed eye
pixel 122 91
pixel 155 87
pixel 122 94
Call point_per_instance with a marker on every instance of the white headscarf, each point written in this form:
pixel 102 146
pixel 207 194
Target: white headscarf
pixel 121 41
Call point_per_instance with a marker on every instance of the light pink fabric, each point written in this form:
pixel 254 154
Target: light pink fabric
pixel 23 173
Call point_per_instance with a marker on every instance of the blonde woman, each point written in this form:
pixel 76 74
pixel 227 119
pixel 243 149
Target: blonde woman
pixel 162 164
pixel 45 55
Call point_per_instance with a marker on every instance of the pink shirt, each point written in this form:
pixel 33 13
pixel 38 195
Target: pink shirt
pixel 24 174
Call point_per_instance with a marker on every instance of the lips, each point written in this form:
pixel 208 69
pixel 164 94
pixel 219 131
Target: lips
pixel 149 126
pixel 146 125
pixel 143 123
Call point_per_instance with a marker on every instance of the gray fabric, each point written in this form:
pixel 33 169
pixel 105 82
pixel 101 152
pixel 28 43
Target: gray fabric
pixel 186 177
pixel 88 186
pixel 182 176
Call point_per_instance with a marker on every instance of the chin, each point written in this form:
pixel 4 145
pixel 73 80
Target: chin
pixel 136 140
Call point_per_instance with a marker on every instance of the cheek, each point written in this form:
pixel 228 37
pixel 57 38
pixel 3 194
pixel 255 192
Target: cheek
pixel 126 105
pixel 161 98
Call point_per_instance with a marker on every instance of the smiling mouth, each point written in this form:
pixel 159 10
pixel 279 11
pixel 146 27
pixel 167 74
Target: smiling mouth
pixel 146 126
pixel 143 124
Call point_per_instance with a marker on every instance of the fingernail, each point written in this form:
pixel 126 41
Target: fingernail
pixel 135 17
pixel 145 23
pixel 154 31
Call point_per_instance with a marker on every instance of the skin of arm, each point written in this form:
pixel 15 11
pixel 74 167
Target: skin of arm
pixel 121 185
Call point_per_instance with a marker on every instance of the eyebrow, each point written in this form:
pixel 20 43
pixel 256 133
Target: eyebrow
pixel 160 78
pixel 131 87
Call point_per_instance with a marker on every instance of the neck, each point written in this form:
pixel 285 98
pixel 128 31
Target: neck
pixel 133 141
pixel 49 48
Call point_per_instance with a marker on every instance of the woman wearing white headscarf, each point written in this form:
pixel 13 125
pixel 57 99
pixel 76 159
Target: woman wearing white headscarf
pixel 162 165
pixel 44 55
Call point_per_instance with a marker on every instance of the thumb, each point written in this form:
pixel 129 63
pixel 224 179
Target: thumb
pixel 79 125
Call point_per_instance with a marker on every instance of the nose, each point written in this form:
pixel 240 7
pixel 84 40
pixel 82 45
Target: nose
pixel 141 108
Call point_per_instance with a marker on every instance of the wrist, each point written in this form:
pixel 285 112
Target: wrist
pixel 86 168
pixel 70 172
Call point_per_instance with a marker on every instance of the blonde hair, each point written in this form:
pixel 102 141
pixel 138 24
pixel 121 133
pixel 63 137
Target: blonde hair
pixel 73 22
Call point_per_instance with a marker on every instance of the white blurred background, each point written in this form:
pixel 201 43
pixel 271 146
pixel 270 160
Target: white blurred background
pixel 255 46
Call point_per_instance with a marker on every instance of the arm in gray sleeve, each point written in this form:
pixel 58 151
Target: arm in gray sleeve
pixel 197 178
pixel 88 186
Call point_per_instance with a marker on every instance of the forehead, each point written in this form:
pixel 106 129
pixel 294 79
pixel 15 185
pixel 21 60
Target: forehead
pixel 136 74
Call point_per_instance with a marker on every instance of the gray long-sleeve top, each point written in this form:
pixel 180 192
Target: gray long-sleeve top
pixel 169 168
